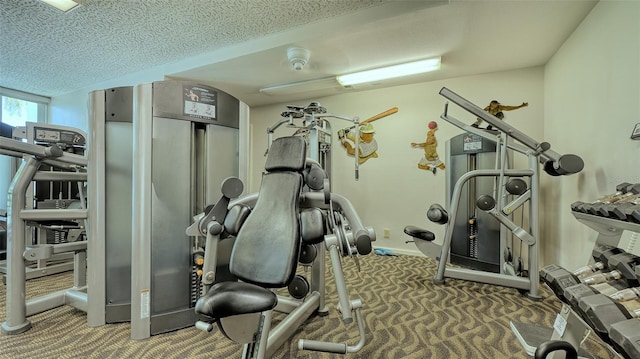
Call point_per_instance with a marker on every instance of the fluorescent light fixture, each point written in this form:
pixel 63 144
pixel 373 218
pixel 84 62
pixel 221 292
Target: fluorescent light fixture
pixel 383 73
pixel 302 86
pixel 64 5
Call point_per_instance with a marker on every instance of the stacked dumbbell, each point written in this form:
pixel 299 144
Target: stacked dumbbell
pixel 622 205
pixel 605 294
pixel 628 210
pixel 583 207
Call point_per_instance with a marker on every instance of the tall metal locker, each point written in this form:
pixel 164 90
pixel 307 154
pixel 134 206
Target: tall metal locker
pixel 477 241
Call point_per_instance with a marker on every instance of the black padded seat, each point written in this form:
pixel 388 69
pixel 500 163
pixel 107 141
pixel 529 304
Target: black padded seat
pixel 226 299
pixel 417 232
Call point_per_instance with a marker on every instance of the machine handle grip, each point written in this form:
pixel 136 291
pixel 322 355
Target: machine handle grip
pixel 550 346
pixel 565 165
pixel 204 326
pixel 53 151
pixel 16 146
pixel 327 347
pixel 363 242
pixel 437 214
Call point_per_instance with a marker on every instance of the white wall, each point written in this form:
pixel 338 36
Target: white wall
pixel 592 102
pixel 585 101
pixel 72 109
pixel 392 192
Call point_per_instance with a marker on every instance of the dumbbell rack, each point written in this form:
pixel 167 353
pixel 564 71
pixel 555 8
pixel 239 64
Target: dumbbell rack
pixel 609 230
pixel 568 325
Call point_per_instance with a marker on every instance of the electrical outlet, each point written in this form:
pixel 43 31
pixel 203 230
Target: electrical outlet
pixel 387 233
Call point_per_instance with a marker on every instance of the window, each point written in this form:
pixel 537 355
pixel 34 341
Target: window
pixel 16 112
pixel 17 109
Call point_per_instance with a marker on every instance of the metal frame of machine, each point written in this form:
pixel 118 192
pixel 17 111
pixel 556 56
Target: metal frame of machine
pixel 111 121
pixel 536 152
pixel 317 130
pixel 479 240
pixel 187 139
pixel 345 237
pixel 20 215
pixel 42 194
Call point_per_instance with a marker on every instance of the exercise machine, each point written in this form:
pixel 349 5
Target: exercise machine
pixel 310 122
pixel 154 148
pixel 187 138
pixel 478 240
pixel 110 189
pixel 506 182
pixel 151 169
pixel 52 194
pixel 288 223
pixel 50 152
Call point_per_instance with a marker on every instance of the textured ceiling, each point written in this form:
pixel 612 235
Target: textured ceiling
pixel 48 52
pixel 240 46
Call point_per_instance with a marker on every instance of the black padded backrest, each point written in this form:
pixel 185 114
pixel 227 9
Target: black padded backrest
pixel 287 154
pixel 267 246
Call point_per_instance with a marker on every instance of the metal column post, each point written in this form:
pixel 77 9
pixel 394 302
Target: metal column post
pixel 16 321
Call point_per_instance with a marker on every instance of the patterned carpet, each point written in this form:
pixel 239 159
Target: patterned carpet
pixel 407 316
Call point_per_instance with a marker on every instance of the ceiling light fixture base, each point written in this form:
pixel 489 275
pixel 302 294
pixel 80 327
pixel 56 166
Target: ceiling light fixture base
pixel 298 57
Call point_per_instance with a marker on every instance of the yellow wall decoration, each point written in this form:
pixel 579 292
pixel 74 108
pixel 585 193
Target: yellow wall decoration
pixel 495 108
pixel 430 161
pixel 367 145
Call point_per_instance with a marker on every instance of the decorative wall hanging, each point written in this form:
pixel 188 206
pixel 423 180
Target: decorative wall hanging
pixel 496 108
pixel 430 161
pixel 367 144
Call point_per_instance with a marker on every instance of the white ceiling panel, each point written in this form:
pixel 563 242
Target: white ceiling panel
pixel 241 44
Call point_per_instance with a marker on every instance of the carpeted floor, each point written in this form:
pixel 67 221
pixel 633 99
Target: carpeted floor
pixel 407 316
